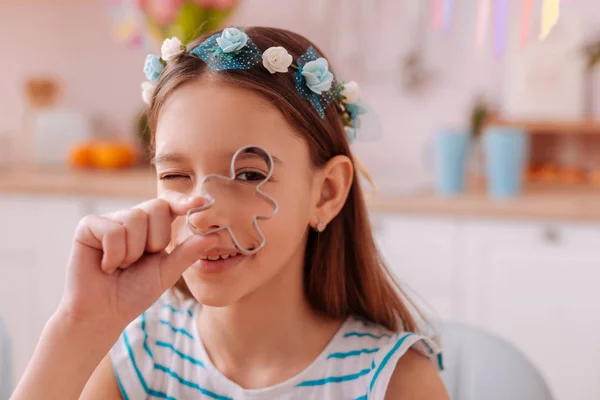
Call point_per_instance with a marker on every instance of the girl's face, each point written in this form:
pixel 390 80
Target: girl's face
pixel 199 129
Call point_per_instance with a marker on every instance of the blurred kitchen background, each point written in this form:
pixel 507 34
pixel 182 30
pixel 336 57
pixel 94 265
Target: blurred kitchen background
pixel 488 162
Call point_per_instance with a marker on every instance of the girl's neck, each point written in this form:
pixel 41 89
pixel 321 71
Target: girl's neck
pixel 268 336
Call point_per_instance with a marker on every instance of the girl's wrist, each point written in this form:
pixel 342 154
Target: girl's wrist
pixel 72 323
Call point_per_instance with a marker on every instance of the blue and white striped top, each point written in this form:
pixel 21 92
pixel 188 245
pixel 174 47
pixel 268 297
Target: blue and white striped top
pixel 159 355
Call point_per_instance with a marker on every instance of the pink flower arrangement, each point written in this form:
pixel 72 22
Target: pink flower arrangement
pixel 162 11
pixel 165 12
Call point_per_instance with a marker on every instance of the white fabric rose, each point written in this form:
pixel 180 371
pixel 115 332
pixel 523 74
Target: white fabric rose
pixel 148 91
pixel 276 59
pixel 172 49
pixel 351 92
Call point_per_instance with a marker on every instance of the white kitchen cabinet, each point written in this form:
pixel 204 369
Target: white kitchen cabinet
pixel 536 285
pixel 35 240
pixel 421 252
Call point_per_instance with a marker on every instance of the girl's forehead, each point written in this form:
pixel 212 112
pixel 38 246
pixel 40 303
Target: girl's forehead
pixel 210 111
pixel 201 97
pixel 205 120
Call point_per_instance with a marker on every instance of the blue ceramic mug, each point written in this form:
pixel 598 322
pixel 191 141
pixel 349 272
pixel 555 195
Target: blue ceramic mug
pixel 450 152
pixel 506 152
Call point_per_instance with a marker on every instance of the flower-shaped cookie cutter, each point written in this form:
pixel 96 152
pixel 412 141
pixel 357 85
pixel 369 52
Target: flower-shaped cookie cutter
pixel 231 178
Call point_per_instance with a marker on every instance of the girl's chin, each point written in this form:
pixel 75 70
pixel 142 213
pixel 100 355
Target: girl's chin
pixel 214 283
pixel 215 294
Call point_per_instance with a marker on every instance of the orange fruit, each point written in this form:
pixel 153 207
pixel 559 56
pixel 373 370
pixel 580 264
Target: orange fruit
pixel 112 155
pixel 80 156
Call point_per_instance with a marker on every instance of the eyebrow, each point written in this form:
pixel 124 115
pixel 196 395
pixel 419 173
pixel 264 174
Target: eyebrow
pixel 248 155
pixel 180 158
pixel 168 158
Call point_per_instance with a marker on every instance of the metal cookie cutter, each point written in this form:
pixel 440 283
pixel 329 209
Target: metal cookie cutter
pixel 268 159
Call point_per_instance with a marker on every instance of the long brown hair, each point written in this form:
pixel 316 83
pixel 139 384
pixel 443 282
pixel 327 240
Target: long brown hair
pixel 344 272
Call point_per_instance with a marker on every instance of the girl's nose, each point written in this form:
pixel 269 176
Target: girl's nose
pixel 206 218
pixel 220 205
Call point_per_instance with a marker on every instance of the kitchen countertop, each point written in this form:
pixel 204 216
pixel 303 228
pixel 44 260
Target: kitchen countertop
pixel 575 203
pixel 129 183
pixel 537 203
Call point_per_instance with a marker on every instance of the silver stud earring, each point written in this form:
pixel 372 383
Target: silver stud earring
pixel 321 225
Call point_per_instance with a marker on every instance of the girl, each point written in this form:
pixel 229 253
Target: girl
pixel 313 315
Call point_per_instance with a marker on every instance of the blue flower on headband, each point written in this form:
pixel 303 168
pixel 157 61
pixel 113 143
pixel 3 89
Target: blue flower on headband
pixel 232 49
pixel 350 133
pixel 232 39
pixel 317 75
pixel 153 67
pixel 355 110
pixel 314 80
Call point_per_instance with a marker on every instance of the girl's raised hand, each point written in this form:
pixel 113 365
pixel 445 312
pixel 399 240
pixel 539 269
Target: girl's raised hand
pixel 119 266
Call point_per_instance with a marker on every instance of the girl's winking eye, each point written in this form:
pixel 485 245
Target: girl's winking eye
pixel 170 177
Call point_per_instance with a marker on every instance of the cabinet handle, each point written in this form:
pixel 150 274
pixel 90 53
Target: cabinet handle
pixel 551 235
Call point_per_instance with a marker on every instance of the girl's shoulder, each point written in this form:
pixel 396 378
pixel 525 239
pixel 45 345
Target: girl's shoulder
pixel 358 332
pixel 366 354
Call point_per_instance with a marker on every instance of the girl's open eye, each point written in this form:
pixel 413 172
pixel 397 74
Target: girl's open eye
pixel 251 176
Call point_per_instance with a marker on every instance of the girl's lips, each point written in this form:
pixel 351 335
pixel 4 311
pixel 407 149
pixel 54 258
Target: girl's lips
pixel 220 265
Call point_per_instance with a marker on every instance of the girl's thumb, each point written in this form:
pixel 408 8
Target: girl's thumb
pixel 173 265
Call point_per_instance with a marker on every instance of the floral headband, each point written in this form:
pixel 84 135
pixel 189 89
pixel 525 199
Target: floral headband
pixel 233 49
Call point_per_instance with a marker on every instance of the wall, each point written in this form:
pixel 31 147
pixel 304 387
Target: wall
pixel 70 39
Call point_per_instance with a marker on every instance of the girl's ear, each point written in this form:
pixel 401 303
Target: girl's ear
pixel 332 185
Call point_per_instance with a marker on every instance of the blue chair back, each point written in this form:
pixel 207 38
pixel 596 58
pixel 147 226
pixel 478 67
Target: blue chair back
pixel 479 365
